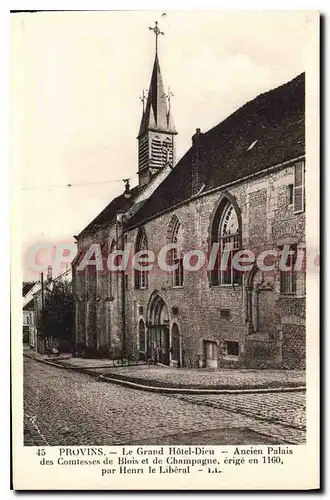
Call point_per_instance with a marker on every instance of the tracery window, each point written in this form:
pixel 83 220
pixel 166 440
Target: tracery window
pixel 226 233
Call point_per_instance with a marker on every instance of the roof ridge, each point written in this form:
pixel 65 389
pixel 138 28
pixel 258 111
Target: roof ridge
pixel 227 157
pixel 254 99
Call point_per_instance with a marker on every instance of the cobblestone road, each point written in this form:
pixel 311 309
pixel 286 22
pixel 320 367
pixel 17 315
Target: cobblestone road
pixel 63 407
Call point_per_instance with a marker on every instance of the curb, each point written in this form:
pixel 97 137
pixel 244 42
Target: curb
pixel 170 390
pixel 63 367
pixel 187 390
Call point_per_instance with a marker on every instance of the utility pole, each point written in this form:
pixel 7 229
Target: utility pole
pixel 39 315
pixel 42 292
pixel 121 276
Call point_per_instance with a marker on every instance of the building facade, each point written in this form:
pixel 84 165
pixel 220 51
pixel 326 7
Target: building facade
pixel 239 188
pixel 33 304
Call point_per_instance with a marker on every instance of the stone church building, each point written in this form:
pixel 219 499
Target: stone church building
pixel 239 186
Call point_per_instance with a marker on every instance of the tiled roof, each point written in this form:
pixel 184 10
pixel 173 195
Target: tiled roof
pixel 27 285
pixel 109 213
pixel 266 131
pixel 29 306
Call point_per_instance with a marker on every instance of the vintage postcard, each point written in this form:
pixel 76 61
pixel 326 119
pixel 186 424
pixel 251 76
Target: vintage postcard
pixel 165 173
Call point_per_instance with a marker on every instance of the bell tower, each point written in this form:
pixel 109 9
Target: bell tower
pixel 157 132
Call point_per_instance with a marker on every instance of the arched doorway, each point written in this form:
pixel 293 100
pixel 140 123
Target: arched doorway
pixel 158 330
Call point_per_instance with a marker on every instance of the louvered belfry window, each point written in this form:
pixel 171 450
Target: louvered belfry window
pixel 157 153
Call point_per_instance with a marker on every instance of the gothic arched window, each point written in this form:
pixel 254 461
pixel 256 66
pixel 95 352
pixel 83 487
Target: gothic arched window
pixel 226 233
pixel 175 236
pixel 141 275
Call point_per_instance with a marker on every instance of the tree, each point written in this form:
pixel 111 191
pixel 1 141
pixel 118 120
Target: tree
pixel 57 314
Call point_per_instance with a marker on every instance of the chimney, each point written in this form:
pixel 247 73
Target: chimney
pixel 120 217
pixel 196 136
pixel 49 273
pixel 127 192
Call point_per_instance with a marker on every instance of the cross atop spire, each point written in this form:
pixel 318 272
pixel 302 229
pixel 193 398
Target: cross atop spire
pixel 157 32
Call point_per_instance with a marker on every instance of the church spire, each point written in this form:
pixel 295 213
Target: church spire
pixel 157 130
pixel 156 115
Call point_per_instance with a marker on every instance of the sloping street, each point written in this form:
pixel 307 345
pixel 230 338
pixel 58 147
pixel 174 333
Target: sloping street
pixel 62 407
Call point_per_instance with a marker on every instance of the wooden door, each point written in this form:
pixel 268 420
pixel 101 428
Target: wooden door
pixel 210 354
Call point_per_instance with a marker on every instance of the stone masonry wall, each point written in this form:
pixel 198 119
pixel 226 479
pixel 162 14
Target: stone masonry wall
pixel 266 218
pixel 197 308
pixel 99 316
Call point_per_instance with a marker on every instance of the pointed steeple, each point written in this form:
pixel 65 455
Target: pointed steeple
pixel 156 115
pixel 157 130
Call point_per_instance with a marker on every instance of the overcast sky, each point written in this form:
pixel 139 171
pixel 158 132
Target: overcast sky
pixel 76 82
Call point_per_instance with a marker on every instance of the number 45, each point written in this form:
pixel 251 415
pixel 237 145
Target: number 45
pixel 41 452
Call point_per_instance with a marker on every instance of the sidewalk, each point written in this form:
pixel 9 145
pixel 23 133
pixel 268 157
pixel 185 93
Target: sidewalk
pixel 184 380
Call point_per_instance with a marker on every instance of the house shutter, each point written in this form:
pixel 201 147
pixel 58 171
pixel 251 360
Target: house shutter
pixel 298 190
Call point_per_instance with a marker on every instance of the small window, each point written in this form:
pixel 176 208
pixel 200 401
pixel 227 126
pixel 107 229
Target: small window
pixel 141 310
pixel 299 188
pixel 225 313
pixel 290 194
pixel 232 348
pixel 27 320
pixel 210 351
pixel 175 310
pixel 288 281
pixel 126 281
